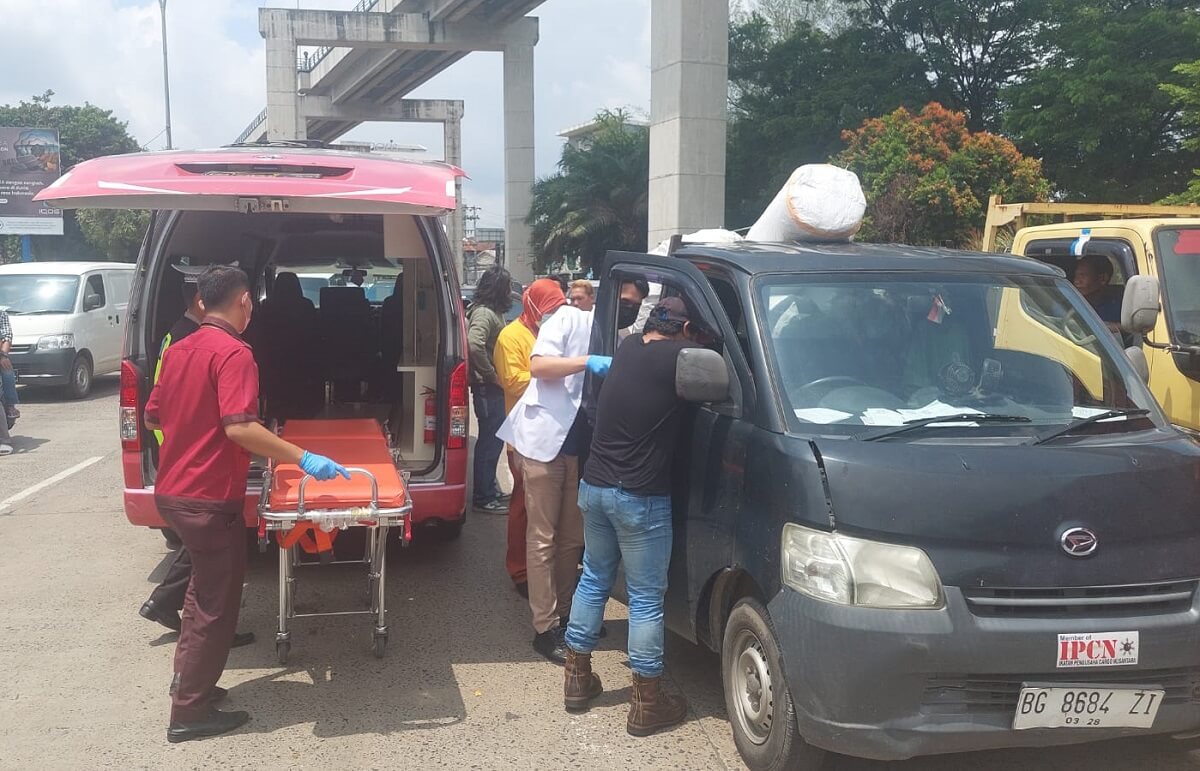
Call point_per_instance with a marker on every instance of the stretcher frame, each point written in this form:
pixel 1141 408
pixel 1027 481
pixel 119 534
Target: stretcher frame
pixel 377 521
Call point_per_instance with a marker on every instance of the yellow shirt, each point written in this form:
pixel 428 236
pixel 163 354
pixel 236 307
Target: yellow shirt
pixel 514 348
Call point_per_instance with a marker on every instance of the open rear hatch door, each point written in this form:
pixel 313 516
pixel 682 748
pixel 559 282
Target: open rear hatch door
pixel 254 179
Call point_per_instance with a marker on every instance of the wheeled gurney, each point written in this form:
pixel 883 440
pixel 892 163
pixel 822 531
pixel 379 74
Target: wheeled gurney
pixel 304 512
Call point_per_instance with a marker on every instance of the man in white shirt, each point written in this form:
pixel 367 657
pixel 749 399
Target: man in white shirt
pixel 547 430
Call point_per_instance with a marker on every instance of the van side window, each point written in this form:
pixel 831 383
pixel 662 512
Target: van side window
pixel 95 285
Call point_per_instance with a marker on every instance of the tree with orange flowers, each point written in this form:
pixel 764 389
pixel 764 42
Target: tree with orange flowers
pixel 927 177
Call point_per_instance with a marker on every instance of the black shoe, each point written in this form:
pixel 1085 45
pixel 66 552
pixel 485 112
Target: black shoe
pixel 565 620
pixel 242 638
pixel 217 722
pixel 495 506
pixel 217 694
pixel 550 644
pixel 522 589
pixel 168 618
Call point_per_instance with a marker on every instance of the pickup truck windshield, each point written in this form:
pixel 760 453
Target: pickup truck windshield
pixel 1179 251
pixel 28 294
pixel 887 349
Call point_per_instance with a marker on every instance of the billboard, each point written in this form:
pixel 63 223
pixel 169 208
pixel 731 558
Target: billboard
pixel 29 161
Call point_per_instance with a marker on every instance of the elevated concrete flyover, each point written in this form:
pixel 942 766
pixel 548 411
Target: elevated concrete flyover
pixel 369 58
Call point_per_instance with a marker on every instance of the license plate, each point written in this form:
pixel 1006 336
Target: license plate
pixel 1086 707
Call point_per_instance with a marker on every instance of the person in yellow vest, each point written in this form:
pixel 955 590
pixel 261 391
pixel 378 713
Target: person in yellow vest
pixel 167 598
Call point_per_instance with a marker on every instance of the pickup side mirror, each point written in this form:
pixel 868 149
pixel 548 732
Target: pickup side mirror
pixel 1139 307
pixel 701 375
pixel 92 301
pixel 1137 357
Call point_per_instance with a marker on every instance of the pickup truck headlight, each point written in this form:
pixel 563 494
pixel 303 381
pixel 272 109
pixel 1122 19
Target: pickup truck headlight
pixel 56 342
pixel 854 571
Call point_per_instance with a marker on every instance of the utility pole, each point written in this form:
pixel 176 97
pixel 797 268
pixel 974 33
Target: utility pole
pixel 162 4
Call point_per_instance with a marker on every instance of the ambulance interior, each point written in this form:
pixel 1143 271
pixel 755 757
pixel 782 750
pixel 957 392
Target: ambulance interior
pixel 348 315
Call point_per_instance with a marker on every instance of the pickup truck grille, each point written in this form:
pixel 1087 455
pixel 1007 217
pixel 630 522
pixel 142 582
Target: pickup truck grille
pixel 1124 600
pixel 21 348
pixel 988 693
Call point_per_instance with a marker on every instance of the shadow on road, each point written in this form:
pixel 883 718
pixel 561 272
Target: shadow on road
pixel 103 387
pixel 25 444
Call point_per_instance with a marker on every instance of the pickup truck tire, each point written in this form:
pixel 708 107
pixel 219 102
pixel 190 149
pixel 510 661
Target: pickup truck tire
pixel 80 383
pixel 757 696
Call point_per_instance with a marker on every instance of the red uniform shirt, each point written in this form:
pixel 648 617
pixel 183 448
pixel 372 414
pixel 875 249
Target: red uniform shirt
pixel 209 381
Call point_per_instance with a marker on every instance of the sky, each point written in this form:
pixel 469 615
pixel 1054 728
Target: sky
pixel 592 54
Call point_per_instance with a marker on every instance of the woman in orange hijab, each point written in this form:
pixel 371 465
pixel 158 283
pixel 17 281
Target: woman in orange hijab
pixel 514 348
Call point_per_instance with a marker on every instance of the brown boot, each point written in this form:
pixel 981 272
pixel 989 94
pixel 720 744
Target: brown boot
pixel 581 684
pixel 651 708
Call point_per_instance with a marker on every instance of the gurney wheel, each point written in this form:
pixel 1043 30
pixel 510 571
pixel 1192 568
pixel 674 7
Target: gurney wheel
pixel 282 649
pixel 380 645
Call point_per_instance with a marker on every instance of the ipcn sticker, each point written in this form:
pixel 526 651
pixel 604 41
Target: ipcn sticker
pixel 1097 649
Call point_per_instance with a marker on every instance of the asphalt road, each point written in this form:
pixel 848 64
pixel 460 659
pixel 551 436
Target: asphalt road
pixel 86 678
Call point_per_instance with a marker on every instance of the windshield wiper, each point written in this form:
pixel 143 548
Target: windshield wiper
pixel 43 310
pixel 1074 426
pixel 958 417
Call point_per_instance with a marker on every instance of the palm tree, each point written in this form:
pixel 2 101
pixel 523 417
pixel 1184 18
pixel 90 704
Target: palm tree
pixel 597 200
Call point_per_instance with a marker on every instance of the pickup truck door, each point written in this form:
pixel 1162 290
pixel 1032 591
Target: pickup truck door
pixel 708 477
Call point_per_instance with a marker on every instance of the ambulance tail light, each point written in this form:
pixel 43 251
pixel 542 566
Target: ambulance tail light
pixel 458 408
pixel 131 423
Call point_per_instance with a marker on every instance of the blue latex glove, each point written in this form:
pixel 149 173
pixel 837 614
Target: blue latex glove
pixel 321 468
pixel 598 365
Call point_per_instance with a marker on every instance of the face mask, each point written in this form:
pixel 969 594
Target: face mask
pixel 627 314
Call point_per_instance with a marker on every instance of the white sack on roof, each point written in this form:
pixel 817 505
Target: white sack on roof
pixel 819 202
pixel 707 236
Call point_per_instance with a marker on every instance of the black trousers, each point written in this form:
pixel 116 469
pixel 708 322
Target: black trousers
pixel 169 594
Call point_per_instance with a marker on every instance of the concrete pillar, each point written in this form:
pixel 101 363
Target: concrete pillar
pixel 284 120
pixel 689 83
pixel 518 158
pixel 452 138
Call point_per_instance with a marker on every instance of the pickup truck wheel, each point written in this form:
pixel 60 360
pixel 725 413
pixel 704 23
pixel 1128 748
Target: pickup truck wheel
pixel 757 696
pixel 80 384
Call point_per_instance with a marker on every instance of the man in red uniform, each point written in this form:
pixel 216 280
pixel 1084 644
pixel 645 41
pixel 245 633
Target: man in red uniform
pixel 206 405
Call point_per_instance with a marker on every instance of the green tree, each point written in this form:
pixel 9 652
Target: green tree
pixel 597 200
pixel 1187 98
pixel 84 132
pixel 1094 110
pixel 927 177
pixel 792 95
pixel 116 233
pixel 972 49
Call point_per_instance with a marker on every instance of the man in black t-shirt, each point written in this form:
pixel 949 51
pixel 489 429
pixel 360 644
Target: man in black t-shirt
pixel 625 498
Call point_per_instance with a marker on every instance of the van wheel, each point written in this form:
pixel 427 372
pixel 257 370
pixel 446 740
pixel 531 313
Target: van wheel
pixel 757 696
pixel 80 384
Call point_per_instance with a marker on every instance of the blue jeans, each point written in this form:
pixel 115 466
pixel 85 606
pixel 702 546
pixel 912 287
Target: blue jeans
pixel 489 412
pixel 637 529
pixel 8 379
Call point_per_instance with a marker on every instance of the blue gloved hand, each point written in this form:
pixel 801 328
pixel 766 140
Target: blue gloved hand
pixel 321 468
pixel 598 365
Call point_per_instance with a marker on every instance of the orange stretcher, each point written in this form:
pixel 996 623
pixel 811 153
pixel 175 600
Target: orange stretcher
pixel 306 514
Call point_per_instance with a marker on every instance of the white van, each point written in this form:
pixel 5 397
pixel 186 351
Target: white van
pixel 68 320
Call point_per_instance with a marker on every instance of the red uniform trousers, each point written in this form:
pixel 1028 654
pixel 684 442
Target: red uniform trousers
pixel 215 537
pixel 514 558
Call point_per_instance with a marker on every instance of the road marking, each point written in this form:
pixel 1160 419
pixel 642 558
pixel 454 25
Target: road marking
pixel 60 476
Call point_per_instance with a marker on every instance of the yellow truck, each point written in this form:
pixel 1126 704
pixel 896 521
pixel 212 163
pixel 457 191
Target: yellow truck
pixel 1155 255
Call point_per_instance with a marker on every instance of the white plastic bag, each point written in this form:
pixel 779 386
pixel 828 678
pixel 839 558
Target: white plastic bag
pixel 707 236
pixel 819 202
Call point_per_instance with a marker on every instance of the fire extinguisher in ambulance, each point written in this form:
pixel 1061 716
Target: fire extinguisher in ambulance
pixel 430 416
